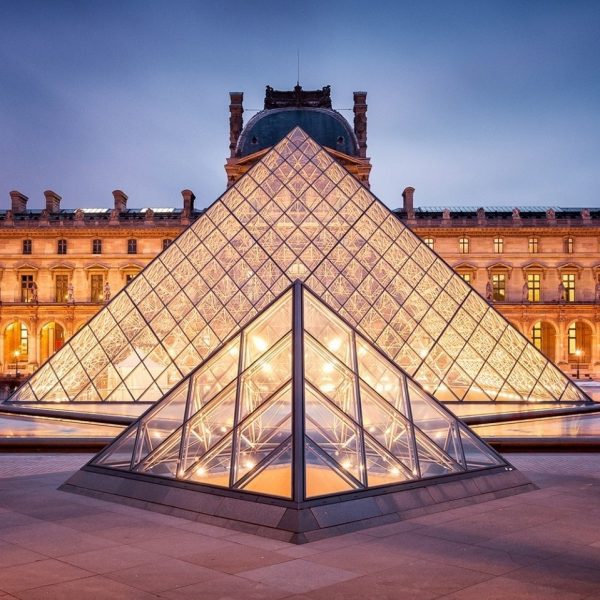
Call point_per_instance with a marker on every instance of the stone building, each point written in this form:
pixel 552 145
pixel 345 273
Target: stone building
pixel 539 266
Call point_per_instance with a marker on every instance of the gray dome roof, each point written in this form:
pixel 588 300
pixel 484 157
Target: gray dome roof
pixel 327 127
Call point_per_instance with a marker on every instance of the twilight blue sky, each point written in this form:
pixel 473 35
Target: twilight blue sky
pixel 472 103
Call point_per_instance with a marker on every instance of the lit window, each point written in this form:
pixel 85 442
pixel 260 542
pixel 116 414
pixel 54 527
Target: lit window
pixel 463 245
pixel 131 246
pixel 97 288
pixel 166 243
pixel 533 245
pixel 96 246
pixel 26 246
pixel 499 286
pixel 129 277
pixel 533 287
pixel 428 242
pixel 572 338
pixel 466 277
pixel 569 245
pixel 568 280
pixel 26 288
pixel 498 245
pixel 61 247
pixel 61 288
pixel 536 335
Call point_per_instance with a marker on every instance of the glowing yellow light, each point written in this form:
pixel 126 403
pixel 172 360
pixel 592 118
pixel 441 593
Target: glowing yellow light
pixel 335 344
pixel 249 464
pixel 223 429
pixel 327 388
pixel 347 464
pixel 423 353
pixel 200 471
pixel 267 367
pixel 327 367
pixel 372 429
pixel 260 344
pixel 395 471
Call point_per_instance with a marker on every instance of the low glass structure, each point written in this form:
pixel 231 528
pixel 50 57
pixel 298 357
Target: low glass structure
pixel 297 426
pixel 298 405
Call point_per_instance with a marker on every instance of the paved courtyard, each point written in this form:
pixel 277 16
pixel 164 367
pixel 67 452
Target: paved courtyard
pixel 543 544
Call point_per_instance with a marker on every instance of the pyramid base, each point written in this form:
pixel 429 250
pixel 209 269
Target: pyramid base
pixel 297 523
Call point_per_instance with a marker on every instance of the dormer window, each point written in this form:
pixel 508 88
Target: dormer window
pixel 340 140
pixel 254 140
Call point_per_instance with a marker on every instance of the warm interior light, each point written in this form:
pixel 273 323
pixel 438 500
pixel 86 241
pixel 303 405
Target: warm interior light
pixel 395 471
pixel 335 344
pixel 200 471
pixel 423 353
pixel 327 367
pixel 249 464
pixel 347 464
pixel 260 344
pixel 327 388
pixel 267 367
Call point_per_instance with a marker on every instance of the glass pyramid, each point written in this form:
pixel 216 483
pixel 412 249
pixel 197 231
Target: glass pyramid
pixel 298 214
pixel 298 405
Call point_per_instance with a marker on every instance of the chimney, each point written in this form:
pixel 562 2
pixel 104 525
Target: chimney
pixel 52 202
pixel 236 121
pixel 18 202
pixel 360 122
pixel 188 202
pixel 407 196
pixel 120 201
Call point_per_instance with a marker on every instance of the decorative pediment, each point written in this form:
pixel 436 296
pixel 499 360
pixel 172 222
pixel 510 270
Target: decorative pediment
pixel 570 267
pixel 499 267
pixel 61 267
pixel 534 267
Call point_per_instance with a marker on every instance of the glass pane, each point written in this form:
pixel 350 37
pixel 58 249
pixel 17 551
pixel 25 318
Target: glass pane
pixel 380 375
pixel 477 454
pixel 432 461
pixel 164 460
pixel 214 467
pixel 330 377
pixel 321 478
pixel 266 376
pixel 432 420
pixel 217 373
pixel 388 427
pixel 327 329
pixel 268 329
pixel 263 432
pixel 275 477
pixel 334 434
pixel 208 426
pixel 161 422
pixel 119 454
pixel 382 469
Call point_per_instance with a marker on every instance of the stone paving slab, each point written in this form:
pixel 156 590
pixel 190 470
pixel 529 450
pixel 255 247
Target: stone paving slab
pixel 543 544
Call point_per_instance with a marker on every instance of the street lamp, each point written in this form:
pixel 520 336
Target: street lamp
pixel 578 354
pixel 17 354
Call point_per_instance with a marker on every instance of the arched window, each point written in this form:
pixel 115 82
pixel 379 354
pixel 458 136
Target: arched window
pixel 52 338
pixel 16 345
pixel 579 340
pixel 543 336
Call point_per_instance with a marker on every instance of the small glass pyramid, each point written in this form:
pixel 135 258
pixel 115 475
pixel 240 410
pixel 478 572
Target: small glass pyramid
pixel 298 405
pixel 298 215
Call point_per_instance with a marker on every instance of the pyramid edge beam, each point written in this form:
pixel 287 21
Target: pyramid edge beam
pixel 292 522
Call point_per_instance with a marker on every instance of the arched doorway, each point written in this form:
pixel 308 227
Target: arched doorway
pixel 543 336
pixel 16 346
pixel 579 343
pixel 52 338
